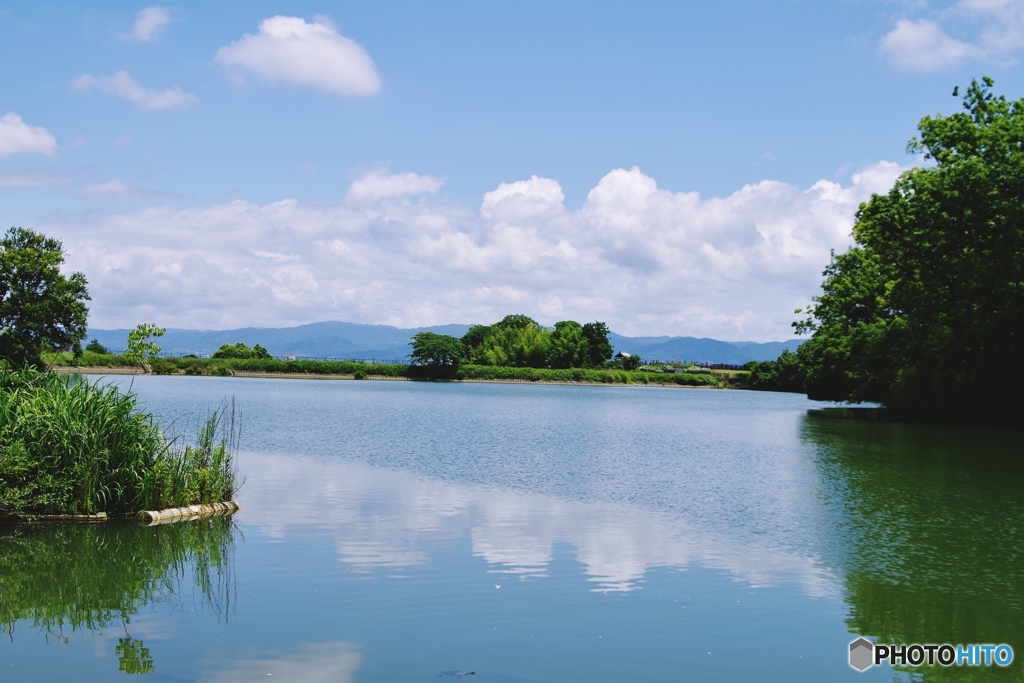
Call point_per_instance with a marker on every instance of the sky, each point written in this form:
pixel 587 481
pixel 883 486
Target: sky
pixel 670 168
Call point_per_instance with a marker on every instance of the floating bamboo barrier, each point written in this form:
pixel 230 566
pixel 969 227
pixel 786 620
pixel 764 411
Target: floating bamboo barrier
pixel 55 519
pixel 172 515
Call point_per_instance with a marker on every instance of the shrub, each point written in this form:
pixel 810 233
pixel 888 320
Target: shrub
pixel 163 366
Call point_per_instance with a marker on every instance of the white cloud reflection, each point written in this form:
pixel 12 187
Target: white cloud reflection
pixel 313 663
pixel 385 519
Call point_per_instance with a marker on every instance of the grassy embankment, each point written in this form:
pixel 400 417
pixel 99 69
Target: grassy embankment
pixel 226 367
pixel 80 448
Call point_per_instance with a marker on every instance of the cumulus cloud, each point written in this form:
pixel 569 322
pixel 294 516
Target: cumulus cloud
pixel 290 50
pixel 643 259
pixel 380 184
pixel 523 200
pixel 924 44
pixel 148 25
pixel 1002 20
pixel 124 86
pixel 17 137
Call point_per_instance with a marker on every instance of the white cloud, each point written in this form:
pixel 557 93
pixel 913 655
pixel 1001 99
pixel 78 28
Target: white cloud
pixel 643 259
pixel 1003 21
pixel 117 190
pixel 923 46
pixel 291 50
pixel 148 25
pixel 523 200
pixel 380 184
pixel 17 137
pixel 33 178
pixel 124 86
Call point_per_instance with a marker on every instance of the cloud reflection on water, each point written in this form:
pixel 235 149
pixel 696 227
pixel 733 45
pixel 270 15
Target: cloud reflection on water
pixel 382 518
pixel 313 663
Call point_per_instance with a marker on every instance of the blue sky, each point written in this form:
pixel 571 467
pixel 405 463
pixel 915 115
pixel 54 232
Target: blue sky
pixel 671 168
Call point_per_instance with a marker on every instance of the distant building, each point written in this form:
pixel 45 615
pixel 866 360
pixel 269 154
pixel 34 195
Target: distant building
pixel 622 355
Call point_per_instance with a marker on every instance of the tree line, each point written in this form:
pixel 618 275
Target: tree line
pixel 516 341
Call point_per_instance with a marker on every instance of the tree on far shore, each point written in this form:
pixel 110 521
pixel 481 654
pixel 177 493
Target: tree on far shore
pixel 436 351
pixel 141 345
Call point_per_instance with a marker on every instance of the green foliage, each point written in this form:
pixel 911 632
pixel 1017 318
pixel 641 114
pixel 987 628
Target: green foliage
pixel 163 366
pixel 141 345
pixel 924 314
pixel 510 346
pixel 240 350
pixel 40 308
pixel 78 448
pixel 520 341
pixel 600 349
pixel 517 322
pixel 492 372
pixel 568 348
pixel 436 351
pixel 475 336
pixel 97 348
pixel 782 374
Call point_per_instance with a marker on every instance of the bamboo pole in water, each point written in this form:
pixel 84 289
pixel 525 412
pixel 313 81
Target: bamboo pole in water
pixel 56 519
pixel 172 515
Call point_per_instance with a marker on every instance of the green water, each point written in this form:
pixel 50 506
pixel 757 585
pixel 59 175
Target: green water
pixel 395 531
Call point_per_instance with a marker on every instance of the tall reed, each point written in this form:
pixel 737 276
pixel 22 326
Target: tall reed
pixel 81 448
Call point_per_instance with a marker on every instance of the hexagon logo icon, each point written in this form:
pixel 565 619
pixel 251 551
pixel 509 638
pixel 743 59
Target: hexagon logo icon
pixel 862 654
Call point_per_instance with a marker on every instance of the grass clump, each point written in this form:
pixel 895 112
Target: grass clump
pixel 79 448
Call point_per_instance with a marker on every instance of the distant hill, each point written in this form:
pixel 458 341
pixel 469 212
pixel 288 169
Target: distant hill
pixel 700 350
pixel 384 342
pixel 317 340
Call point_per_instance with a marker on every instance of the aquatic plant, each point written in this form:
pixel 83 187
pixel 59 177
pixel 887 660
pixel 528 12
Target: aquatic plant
pixel 79 448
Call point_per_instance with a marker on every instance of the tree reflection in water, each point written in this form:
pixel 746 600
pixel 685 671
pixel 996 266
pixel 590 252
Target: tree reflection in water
pixel 928 527
pixel 90 577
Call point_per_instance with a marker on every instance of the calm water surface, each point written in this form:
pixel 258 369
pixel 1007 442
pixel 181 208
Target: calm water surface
pixel 391 531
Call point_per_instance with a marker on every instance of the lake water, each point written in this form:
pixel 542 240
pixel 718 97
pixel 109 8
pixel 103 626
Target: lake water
pixel 392 531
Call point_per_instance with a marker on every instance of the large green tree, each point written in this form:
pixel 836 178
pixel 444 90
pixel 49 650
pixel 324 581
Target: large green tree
pixel 436 351
pixel 926 313
pixel 568 347
pixel 40 307
pixel 600 349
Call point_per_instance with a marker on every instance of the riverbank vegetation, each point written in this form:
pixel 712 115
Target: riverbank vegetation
pixel 923 314
pixel 78 448
pixel 465 371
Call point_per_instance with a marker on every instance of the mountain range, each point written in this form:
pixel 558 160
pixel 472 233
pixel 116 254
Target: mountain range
pixel 335 339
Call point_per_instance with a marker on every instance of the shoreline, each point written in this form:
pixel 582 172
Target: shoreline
pixel 103 370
